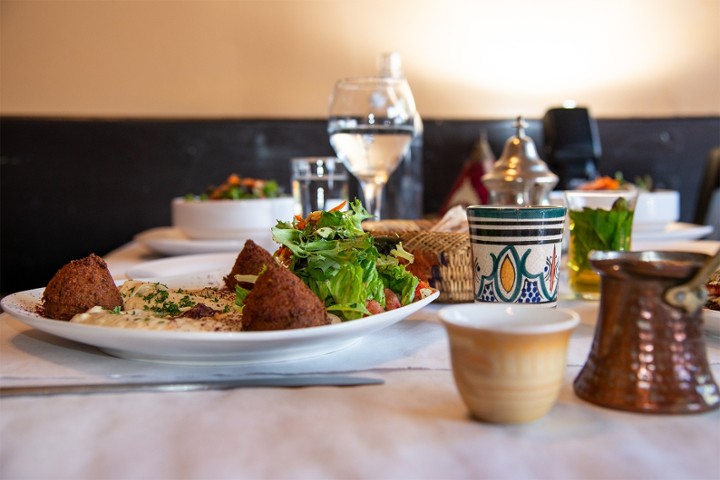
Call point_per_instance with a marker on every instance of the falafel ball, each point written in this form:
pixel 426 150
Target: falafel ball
pixel 251 260
pixel 78 286
pixel 281 301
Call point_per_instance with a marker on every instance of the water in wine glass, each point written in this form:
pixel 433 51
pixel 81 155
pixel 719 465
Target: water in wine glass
pixel 371 152
pixel 370 127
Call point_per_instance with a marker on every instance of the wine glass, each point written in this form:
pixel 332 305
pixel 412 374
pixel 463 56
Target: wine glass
pixel 371 125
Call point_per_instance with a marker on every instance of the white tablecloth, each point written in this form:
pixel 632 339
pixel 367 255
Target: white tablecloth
pixel 413 426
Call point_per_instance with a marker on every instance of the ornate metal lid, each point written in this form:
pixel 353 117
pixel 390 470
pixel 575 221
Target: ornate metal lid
pixel 520 170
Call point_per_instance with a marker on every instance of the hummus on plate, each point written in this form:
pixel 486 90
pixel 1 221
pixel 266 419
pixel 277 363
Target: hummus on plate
pixel 154 306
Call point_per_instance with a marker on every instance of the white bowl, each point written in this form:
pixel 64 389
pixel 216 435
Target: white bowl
pixel 655 210
pixel 229 219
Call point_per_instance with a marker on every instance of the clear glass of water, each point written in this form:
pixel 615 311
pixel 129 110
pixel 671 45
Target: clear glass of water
pixel 371 125
pixel 318 183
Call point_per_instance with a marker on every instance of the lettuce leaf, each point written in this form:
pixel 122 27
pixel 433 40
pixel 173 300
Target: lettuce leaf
pixel 339 261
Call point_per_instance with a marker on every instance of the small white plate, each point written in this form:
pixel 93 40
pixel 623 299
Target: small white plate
pixel 648 228
pixel 207 348
pixel 171 241
pixel 711 321
pixel 183 265
pixel 672 233
pixel 708 247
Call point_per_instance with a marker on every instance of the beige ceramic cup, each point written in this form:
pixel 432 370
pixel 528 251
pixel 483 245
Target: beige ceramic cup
pixel 508 361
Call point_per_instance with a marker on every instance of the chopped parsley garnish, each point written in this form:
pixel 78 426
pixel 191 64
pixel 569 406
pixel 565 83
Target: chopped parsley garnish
pixel 186 301
pixel 158 302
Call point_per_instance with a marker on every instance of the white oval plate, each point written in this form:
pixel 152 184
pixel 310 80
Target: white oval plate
pixel 207 348
pixel 183 265
pixel 171 241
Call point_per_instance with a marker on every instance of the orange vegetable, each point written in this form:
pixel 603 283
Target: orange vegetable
pixel 314 217
pixel 300 222
pixel 339 206
pixel 284 255
pixel 601 183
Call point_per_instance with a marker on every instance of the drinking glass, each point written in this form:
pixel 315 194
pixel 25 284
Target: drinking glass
pixel 318 183
pixel 599 220
pixel 371 125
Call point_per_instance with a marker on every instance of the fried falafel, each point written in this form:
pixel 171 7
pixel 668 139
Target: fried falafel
pixel 79 286
pixel 251 260
pixel 281 301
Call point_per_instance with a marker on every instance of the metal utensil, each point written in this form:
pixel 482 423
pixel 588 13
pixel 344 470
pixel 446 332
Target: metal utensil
pixel 692 295
pixel 287 381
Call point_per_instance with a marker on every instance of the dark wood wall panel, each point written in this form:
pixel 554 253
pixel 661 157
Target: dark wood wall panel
pixel 71 187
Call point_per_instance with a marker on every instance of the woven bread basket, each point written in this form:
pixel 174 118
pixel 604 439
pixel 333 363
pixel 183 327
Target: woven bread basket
pixel 443 259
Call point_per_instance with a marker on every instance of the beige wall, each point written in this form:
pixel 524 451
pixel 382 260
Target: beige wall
pixel 279 58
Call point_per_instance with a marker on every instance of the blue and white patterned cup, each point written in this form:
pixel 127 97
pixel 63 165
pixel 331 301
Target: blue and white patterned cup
pixel 516 253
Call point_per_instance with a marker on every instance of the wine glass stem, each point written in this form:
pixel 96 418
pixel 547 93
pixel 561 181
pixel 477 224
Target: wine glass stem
pixel 373 192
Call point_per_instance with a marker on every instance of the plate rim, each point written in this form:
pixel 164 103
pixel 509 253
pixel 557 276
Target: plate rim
pixel 21 306
pixel 682 231
pixel 149 265
pixel 711 320
pixel 160 240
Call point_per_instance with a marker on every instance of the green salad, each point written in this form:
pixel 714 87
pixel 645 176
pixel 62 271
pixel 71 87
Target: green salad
pixel 341 263
pixel 239 188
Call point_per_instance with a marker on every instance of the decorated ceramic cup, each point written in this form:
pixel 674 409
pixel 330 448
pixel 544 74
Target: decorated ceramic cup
pixel 516 253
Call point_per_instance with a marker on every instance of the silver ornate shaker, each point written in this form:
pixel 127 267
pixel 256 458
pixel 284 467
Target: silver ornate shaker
pixel 520 176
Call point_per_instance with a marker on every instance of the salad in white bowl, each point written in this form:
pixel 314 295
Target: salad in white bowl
pixel 239 208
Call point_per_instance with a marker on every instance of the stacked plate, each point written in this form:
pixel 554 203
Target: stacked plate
pixel 656 221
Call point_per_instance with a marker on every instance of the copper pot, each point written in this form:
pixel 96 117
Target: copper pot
pixel 648 353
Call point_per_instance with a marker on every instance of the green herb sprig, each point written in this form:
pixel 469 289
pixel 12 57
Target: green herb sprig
pixel 598 229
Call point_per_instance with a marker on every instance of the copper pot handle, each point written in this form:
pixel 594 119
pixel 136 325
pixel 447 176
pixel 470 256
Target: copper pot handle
pixel 692 295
